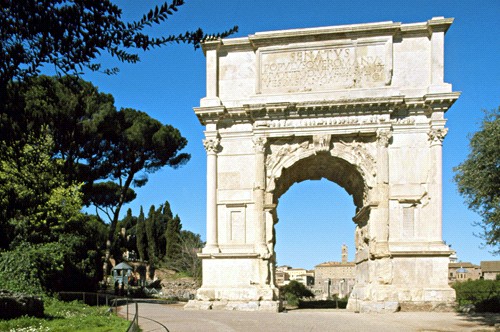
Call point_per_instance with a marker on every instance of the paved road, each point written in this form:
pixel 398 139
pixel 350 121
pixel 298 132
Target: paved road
pixel 175 319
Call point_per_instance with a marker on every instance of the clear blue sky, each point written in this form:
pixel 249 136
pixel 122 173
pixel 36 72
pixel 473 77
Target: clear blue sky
pixel 315 216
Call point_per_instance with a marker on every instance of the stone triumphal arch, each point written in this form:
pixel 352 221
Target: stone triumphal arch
pixel 360 105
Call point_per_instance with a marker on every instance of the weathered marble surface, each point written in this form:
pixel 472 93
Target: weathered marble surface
pixel 361 105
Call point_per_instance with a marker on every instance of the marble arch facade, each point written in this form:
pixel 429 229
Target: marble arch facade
pixel 361 105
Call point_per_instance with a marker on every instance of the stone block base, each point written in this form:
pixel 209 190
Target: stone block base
pixel 375 307
pixel 265 306
pixel 237 293
pixel 389 298
pixel 428 306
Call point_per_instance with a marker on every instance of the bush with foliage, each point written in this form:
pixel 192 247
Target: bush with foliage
pixel 294 291
pixel 483 294
pixel 478 178
pixel 31 269
pixel 69 262
pixel 324 304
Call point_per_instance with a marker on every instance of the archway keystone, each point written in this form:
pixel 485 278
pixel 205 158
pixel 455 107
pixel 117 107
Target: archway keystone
pixel 343 103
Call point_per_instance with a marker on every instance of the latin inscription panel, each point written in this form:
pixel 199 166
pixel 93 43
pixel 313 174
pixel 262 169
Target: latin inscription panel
pixel 327 68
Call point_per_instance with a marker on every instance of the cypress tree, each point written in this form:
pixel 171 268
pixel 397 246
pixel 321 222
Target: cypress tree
pixel 141 236
pixel 150 234
pixel 128 221
pixel 160 228
pixel 166 211
pixel 173 239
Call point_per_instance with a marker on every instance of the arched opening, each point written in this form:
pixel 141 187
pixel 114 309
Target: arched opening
pixel 320 166
pixel 315 230
pixel 315 222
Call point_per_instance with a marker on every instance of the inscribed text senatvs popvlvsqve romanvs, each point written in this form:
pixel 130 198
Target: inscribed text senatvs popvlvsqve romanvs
pixel 323 69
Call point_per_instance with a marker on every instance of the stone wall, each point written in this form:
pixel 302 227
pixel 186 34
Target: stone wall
pixel 13 305
pixel 182 289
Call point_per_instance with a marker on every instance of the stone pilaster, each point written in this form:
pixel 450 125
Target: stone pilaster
pixel 383 140
pixel 211 146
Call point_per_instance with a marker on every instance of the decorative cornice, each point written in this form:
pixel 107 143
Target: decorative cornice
pixel 211 45
pixel 420 253
pixel 262 39
pixel 228 255
pixel 387 28
pixel 210 114
pixel 441 101
pixel 439 24
pixel 436 102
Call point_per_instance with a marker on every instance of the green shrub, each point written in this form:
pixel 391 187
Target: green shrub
pixel 292 300
pixel 293 292
pixel 483 294
pixel 38 269
pixel 28 268
pixel 324 304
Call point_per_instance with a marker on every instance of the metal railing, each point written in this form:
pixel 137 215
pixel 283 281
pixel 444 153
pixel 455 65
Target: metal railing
pixel 108 300
pixel 134 324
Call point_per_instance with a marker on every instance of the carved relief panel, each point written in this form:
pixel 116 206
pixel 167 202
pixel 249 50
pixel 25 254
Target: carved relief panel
pixel 359 153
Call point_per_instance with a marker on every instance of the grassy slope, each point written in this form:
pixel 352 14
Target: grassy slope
pixel 64 316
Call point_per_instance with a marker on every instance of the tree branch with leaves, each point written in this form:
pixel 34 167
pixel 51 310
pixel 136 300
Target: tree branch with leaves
pixel 478 178
pixel 70 35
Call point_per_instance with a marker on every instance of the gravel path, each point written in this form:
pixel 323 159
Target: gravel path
pixel 174 318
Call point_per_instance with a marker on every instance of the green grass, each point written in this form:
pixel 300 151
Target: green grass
pixel 67 316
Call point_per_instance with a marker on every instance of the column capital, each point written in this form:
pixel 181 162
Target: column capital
pixel 211 145
pixel 436 136
pixel 259 144
pixel 383 137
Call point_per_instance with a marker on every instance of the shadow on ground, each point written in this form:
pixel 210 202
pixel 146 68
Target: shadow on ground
pixel 486 319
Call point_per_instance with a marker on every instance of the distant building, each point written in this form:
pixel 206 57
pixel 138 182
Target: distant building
pixel 121 273
pixel 490 269
pixel 335 278
pixel 284 274
pixel 281 277
pixel 306 278
pixel 453 257
pixel 283 268
pixel 296 273
pixel 463 271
